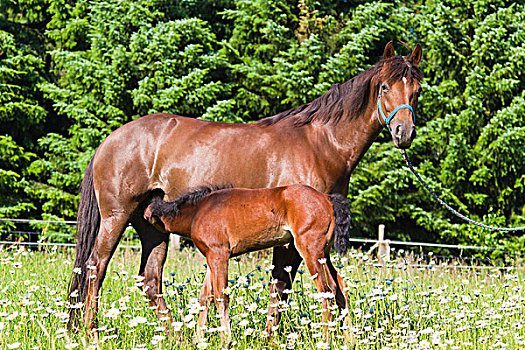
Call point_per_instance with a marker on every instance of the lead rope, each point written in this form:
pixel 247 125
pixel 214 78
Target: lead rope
pixel 452 210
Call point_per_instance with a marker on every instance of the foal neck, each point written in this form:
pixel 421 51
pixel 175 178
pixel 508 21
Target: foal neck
pixel 181 223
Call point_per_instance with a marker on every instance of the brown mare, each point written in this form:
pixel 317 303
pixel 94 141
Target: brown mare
pixel 317 144
pixel 224 223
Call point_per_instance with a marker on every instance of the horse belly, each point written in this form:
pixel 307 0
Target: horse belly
pixel 266 238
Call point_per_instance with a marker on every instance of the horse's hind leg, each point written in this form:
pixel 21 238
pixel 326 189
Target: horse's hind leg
pixel 154 252
pixel 109 234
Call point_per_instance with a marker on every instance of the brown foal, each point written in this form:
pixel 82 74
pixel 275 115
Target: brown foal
pixel 224 223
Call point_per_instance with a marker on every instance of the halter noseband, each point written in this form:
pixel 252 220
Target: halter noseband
pixel 392 114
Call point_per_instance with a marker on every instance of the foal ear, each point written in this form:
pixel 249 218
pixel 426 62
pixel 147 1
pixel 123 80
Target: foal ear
pixel 389 50
pixel 415 56
pixel 148 214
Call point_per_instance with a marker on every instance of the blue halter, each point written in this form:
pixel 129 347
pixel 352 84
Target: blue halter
pixel 392 114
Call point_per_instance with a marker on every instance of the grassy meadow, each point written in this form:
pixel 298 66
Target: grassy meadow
pixel 397 307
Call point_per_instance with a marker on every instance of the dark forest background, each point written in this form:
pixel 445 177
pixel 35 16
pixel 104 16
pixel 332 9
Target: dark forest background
pixel 71 72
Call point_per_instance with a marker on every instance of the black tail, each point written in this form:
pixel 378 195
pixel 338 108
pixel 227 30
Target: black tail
pixel 342 222
pixel 88 224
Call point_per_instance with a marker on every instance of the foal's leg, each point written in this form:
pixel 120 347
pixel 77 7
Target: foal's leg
pixel 154 252
pixel 218 265
pixel 316 253
pixel 205 300
pixel 282 257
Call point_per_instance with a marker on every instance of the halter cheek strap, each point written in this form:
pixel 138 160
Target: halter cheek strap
pixel 392 114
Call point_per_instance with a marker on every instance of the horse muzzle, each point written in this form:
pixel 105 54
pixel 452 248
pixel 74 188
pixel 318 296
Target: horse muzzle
pixel 403 134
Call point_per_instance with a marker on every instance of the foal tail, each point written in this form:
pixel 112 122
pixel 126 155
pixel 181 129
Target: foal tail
pixel 342 222
pixel 88 224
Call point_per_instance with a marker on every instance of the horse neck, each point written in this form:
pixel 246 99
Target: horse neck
pixel 352 137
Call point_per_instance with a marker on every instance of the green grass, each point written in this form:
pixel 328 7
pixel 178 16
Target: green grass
pixel 394 308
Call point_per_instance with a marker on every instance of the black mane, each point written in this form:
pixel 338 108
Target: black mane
pixel 351 97
pixel 193 197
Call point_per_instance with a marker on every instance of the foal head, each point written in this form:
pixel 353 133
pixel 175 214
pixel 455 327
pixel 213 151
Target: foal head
pixel 397 87
pixel 161 213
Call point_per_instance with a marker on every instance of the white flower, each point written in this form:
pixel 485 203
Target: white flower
pixel 321 345
pixel 424 344
pixel 436 339
pixel 14 345
pixel 252 307
pixel 466 299
pixel 288 269
pixel 112 313
pixel 202 345
pixel 137 320
pixel 392 297
pixel 293 336
pixel 322 261
pixel 177 326
pixel 157 338
pixel 77 270
pixel 243 323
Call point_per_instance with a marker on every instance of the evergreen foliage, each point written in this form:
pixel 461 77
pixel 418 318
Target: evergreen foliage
pixel 71 72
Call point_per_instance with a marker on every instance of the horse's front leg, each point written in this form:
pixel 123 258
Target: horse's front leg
pixel 341 298
pixel 281 281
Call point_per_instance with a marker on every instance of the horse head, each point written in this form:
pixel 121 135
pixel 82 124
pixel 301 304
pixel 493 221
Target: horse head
pixel 397 86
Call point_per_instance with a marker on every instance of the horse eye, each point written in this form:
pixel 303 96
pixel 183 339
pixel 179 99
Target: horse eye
pixel 385 87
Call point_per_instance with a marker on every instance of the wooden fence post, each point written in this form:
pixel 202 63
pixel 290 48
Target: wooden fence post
pixel 174 245
pixel 383 248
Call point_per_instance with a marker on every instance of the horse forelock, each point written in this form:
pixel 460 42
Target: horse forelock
pixel 397 68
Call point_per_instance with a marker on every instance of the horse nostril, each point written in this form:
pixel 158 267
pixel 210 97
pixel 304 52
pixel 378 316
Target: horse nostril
pixel 413 133
pixel 399 131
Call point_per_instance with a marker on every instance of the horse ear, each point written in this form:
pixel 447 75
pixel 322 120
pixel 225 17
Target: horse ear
pixel 389 50
pixel 415 56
